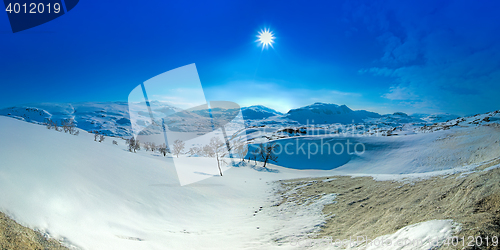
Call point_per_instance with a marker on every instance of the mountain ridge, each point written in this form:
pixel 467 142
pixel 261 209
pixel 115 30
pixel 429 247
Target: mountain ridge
pixel 112 118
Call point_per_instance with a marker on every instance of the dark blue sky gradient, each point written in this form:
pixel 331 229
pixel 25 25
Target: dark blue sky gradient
pixel 420 57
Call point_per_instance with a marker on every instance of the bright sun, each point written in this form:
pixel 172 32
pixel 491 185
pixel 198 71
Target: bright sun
pixel 266 38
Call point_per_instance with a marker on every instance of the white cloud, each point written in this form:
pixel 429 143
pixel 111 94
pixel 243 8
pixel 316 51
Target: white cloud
pixel 340 93
pixel 400 93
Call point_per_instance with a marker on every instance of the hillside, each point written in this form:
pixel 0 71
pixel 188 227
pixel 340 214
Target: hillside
pixel 109 118
pixel 98 195
pixel 461 205
pixel 15 236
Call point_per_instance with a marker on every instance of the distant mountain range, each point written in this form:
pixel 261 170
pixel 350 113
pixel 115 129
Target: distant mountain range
pixel 112 118
pixel 258 112
pixel 323 113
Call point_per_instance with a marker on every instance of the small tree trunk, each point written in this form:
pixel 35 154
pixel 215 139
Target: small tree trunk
pixel 218 164
pixel 265 160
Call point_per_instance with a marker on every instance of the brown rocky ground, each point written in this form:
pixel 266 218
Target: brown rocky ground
pixel 14 236
pixel 366 207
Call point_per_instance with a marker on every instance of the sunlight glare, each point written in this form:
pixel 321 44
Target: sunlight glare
pixel 266 38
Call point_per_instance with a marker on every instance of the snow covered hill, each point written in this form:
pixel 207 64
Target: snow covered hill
pixel 435 118
pixel 396 119
pixel 258 112
pixel 113 118
pixel 323 113
pixel 110 118
pixel 100 196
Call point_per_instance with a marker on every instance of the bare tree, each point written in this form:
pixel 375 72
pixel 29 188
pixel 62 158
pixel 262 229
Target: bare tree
pixel 195 151
pixel 217 150
pixel 64 125
pixel 101 138
pixel 241 151
pixel 56 127
pixel 96 134
pixel 68 125
pixel 207 151
pixel 147 146
pixel 178 147
pixel 163 149
pixel 133 145
pixel 137 145
pixel 266 152
pixel 254 154
pixel 49 123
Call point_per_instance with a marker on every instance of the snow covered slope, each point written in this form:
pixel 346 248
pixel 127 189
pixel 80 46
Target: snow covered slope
pixel 435 118
pixel 99 196
pixel 396 119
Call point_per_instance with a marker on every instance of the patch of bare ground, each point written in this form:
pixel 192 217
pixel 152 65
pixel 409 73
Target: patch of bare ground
pixel 366 207
pixel 14 236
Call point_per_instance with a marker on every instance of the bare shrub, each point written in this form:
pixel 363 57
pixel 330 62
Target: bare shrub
pixel 163 149
pixel 266 152
pixel 178 147
pixel 133 145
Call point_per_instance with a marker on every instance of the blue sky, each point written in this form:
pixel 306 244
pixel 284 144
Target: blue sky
pixel 382 56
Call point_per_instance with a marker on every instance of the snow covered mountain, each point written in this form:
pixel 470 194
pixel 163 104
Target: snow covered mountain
pixel 396 119
pixel 324 113
pixel 109 118
pixel 436 118
pixel 258 112
pixel 113 119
